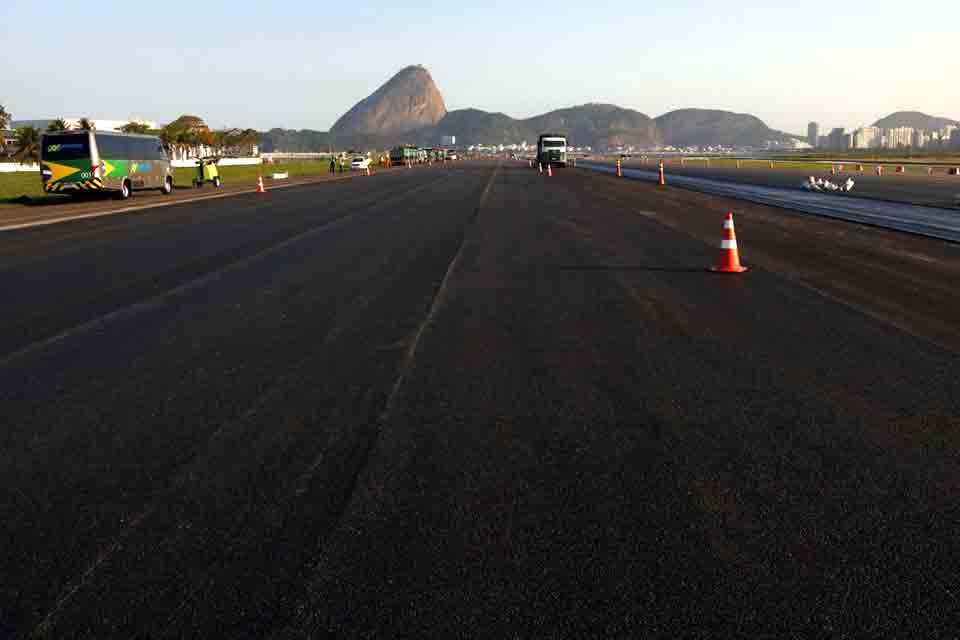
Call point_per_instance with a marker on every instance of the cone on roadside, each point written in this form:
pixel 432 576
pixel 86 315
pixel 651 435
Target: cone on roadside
pixel 619 170
pixel 729 253
pixel 550 171
pixel 260 187
pixel 663 179
pixel 368 171
pixel 540 167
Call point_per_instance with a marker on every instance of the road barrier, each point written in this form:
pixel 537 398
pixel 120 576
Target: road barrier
pixel 729 253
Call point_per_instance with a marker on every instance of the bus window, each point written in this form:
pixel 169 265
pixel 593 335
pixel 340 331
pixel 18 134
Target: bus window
pixel 112 147
pixel 70 147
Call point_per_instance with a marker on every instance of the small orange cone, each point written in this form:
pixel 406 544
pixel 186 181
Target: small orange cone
pixel 619 172
pixel 663 179
pixel 729 254
pixel 550 171
pixel 540 167
pixel 368 170
pixel 260 188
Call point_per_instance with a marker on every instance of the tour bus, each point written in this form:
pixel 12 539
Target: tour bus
pixel 78 162
pixel 552 149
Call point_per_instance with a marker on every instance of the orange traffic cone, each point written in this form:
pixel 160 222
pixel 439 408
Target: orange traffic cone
pixel 619 171
pixel 540 167
pixel 260 187
pixel 368 170
pixel 549 170
pixel 663 179
pixel 729 254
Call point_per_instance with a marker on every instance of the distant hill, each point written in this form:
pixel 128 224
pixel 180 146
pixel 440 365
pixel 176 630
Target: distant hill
pixel 472 126
pixel 406 102
pixel 914 119
pixel 292 141
pixel 708 127
pixel 599 126
pixel 596 125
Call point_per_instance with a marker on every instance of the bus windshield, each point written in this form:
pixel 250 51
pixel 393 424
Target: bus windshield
pixel 554 144
pixel 65 147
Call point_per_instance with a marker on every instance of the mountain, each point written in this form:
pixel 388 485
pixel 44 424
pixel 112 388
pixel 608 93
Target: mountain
pixel 472 126
pixel 406 102
pixel 599 125
pixel 409 108
pixel 292 141
pixel 708 127
pixel 595 125
pixel 914 119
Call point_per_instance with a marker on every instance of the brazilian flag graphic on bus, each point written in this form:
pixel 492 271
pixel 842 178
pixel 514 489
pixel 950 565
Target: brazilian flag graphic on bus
pixel 65 160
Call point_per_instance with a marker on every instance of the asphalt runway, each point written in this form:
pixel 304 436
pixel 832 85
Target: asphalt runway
pixel 475 401
pixel 928 221
pixel 939 190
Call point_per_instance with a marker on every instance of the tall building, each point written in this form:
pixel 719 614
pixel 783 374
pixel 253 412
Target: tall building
pixel 813 134
pixel 867 138
pixel 838 139
pixel 899 137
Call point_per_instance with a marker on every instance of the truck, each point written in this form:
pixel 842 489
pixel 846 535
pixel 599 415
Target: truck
pixel 552 149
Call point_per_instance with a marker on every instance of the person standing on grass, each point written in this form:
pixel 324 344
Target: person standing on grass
pixel 333 166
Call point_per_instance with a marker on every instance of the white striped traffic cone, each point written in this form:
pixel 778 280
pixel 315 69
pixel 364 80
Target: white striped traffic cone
pixel 729 253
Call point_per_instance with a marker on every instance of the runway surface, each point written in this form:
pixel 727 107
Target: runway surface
pixel 939 190
pixel 471 400
pixel 934 222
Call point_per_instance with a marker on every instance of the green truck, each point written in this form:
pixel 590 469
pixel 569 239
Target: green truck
pixel 80 162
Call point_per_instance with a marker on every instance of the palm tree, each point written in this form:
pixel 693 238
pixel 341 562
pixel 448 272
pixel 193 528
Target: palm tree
pixel 86 124
pixel 57 125
pixel 28 145
pixel 135 127
pixel 4 122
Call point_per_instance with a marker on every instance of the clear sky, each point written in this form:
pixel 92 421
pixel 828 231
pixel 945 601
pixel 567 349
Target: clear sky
pixel 298 64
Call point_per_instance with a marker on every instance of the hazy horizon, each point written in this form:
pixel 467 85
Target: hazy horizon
pixel 301 66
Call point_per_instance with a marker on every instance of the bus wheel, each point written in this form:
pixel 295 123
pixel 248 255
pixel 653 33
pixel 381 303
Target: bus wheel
pixel 167 187
pixel 125 190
